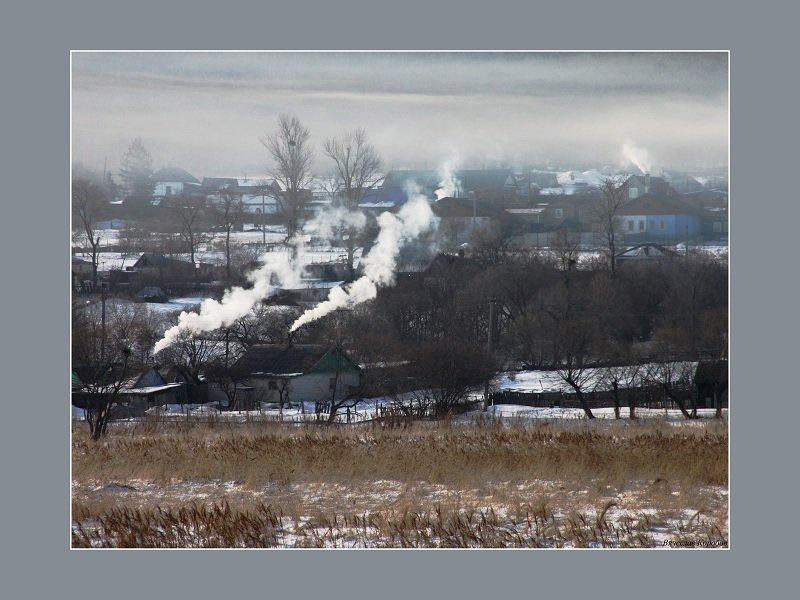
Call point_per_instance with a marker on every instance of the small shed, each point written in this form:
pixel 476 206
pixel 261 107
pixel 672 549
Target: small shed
pixel 152 293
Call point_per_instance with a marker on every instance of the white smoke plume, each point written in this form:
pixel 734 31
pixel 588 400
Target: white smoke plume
pixel 449 183
pixel 637 155
pixel 329 222
pixel 413 219
pixel 238 301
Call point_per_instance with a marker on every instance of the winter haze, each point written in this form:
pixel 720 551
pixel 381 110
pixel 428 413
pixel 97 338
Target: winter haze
pixel 206 111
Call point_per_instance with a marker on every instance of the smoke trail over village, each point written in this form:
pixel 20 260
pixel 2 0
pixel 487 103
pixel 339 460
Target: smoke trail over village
pixel 449 184
pixel 280 270
pixel 327 223
pixel 238 301
pixel 413 219
pixel 637 155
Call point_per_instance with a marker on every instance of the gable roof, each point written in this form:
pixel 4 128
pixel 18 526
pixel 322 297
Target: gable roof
pixel 216 184
pixel 298 359
pixel 484 178
pixel 150 378
pixel 646 251
pixel 655 185
pixel 158 260
pixel 461 208
pixel 174 174
pixel 650 204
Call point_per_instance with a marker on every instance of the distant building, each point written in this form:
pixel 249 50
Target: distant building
pixel 653 217
pixel 171 181
pixel 298 373
pixel 496 185
pixel 644 254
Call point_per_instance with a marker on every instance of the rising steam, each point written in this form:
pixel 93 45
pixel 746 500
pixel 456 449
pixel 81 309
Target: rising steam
pixel 413 219
pixel 449 183
pixel 637 155
pixel 237 301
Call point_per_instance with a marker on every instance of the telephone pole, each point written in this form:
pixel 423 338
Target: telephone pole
pixel 492 303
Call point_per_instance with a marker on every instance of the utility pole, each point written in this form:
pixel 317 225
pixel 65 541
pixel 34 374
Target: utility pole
pixel 103 323
pixel 492 303
pixel 263 218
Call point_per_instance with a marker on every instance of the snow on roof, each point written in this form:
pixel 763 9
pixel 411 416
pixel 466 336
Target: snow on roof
pixel 377 205
pixel 153 389
pixel 525 211
pixel 591 178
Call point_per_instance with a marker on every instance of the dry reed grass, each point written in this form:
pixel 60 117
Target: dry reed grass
pixel 448 455
pixel 431 485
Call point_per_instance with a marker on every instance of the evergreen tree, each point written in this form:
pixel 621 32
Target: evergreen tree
pixel 136 171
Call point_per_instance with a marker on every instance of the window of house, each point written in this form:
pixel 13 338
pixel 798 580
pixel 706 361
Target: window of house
pixel 630 225
pixel 641 224
pixel 169 190
pixel 273 385
pixel 559 213
pixel 633 193
pixel 661 225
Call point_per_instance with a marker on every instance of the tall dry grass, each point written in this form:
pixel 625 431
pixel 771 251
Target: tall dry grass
pixel 452 455
pixel 265 526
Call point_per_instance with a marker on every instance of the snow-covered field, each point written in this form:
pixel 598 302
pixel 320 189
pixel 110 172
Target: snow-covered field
pixel 568 512
pixel 378 514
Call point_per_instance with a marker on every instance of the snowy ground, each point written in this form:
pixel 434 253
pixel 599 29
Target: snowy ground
pixel 375 514
pixel 371 409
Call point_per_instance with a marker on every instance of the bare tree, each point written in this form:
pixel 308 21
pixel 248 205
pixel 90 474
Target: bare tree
pixel 291 151
pixel 672 374
pixel 445 373
pixel 357 167
pixel 566 248
pixel 88 206
pixel 570 332
pixel 228 215
pixel 606 213
pixel 623 378
pixel 264 324
pixel 102 359
pixel 189 213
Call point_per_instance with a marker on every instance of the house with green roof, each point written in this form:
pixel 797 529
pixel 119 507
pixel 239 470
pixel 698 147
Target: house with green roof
pixel 298 373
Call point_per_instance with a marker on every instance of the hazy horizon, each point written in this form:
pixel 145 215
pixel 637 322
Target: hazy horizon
pixel 206 111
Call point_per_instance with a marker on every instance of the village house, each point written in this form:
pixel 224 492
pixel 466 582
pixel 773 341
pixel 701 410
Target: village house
pixel 171 181
pixel 493 185
pixel 653 217
pixel 462 217
pixel 645 254
pixel 639 185
pixel 135 395
pixel 82 273
pixel 298 373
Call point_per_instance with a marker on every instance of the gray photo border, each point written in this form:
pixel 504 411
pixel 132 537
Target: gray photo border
pixel 36 44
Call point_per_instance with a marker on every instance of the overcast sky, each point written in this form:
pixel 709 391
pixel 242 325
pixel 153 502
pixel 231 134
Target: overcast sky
pixel 206 111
